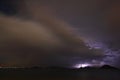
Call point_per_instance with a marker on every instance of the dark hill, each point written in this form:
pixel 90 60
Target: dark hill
pixel 108 67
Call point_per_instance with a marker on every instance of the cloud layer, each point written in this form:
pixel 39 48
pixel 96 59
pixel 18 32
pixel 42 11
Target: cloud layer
pixel 25 42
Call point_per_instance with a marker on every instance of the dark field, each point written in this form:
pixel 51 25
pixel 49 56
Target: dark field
pixel 59 74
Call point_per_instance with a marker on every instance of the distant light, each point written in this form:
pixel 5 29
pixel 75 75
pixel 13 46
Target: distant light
pixel 82 65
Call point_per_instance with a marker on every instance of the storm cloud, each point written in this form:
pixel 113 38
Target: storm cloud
pixel 25 42
pixel 50 40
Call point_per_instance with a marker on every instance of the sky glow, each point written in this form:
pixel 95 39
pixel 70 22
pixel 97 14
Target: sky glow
pixel 82 65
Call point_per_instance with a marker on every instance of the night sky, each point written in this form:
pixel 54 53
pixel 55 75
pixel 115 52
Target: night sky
pixel 59 32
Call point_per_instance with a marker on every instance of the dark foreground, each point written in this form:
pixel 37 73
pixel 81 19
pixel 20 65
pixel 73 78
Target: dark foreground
pixel 59 74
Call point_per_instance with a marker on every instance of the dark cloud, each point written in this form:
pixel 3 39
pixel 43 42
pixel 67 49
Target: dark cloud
pixel 97 22
pixel 26 42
